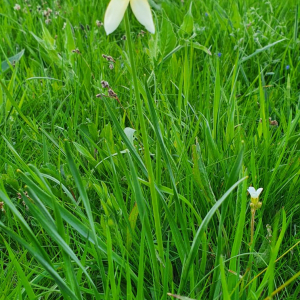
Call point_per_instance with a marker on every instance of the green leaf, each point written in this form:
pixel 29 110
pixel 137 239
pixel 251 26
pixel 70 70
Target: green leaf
pixel 130 134
pixel 17 108
pixel 200 174
pixel 41 259
pixel 226 295
pixel 74 222
pixel 69 39
pixel 6 66
pixel 260 50
pixel 198 237
pixel 40 212
pixel 235 171
pixel 86 203
pixel 145 219
pixel 132 220
pixel 21 274
pixel 34 247
pixel 198 46
pixel 168 38
pixel 187 26
pixel 84 152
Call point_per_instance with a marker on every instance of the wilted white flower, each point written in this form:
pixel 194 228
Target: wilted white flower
pixel 116 9
pixel 48 21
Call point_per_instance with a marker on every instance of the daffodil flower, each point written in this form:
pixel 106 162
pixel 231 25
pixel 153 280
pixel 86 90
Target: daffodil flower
pixel 116 9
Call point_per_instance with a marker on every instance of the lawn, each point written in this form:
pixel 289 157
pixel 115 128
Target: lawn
pixel 127 160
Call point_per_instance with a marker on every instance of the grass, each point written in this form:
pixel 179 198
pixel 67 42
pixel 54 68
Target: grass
pixel 120 198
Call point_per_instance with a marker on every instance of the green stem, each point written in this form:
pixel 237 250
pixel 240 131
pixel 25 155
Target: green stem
pixel 139 106
pixel 252 225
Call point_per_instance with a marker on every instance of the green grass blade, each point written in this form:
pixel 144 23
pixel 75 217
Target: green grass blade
pixel 21 274
pixel 197 239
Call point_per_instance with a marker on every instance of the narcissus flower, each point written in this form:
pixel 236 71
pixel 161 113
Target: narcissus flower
pixel 116 9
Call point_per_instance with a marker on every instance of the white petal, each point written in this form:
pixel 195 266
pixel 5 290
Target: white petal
pixel 142 12
pixel 259 191
pixel 252 192
pixel 114 14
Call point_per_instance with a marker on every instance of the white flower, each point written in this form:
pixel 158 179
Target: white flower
pixel 116 9
pixel 254 193
pixel 98 23
pixel 17 7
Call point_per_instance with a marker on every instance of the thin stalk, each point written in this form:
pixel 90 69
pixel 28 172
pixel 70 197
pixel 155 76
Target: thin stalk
pixel 139 106
pixel 252 225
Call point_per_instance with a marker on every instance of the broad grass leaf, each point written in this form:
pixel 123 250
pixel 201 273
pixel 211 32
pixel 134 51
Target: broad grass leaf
pixel 187 26
pixel 132 220
pixel 14 59
pixel 226 295
pixel 198 46
pixel 200 174
pixel 69 39
pixel 168 38
pixel 236 168
pixel 84 152
pixel 198 236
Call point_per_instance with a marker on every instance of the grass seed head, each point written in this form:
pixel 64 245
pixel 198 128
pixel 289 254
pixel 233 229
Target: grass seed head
pixel 105 84
pixel 111 93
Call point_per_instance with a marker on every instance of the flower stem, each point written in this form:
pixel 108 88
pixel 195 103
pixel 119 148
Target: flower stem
pixel 252 225
pixel 141 119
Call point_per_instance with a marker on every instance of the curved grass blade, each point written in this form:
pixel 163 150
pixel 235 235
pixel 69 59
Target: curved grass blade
pixel 40 212
pixel 75 223
pixel 226 295
pixel 198 237
pixel 41 259
pixel 21 274
pixel 36 250
pixel 177 236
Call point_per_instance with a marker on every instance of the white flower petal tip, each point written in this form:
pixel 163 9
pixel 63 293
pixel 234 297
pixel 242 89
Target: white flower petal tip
pixel 114 14
pixel 253 192
pixel 142 12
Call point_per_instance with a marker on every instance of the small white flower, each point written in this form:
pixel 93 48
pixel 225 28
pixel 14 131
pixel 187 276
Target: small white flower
pixel 254 193
pixel 98 23
pixel 17 7
pixel 48 21
pixel 116 9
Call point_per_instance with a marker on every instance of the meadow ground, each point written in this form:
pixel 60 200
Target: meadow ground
pixel 140 191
